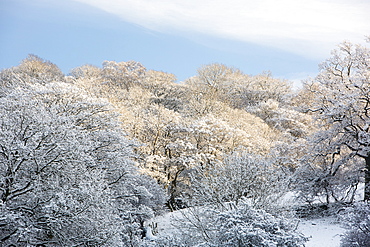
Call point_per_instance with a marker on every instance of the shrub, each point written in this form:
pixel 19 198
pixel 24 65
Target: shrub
pixel 357 219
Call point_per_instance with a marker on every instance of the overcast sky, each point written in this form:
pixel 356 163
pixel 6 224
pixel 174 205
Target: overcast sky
pixel 287 37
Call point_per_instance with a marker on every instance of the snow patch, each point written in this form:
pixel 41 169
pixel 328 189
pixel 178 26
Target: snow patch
pixel 321 232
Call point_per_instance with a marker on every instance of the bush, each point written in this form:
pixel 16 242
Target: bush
pixel 245 226
pixel 357 219
pixel 233 225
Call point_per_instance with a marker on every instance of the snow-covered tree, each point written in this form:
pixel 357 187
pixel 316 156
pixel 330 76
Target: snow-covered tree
pixel 31 70
pixel 285 119
pixel 164 90
pixel 341 99
pixel 89 77
pixel 46 181
pixel 209 87
pixel 37 70
pixel 65 172
pixel 123 74
pixel 240 175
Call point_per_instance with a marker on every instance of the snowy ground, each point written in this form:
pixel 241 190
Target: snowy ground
pixel 323 232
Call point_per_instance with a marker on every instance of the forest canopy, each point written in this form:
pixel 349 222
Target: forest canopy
pixel 87 158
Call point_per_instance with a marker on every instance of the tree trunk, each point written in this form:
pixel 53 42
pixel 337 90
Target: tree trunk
pixel 367 179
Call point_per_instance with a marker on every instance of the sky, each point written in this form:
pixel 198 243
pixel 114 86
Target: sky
pixel 288 38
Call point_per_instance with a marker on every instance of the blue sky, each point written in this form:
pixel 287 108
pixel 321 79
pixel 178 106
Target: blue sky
pixel 287 37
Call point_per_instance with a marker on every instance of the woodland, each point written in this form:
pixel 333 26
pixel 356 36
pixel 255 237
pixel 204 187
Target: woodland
pixel 88 158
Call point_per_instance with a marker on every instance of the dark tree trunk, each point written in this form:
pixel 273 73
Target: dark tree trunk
pixel 367 179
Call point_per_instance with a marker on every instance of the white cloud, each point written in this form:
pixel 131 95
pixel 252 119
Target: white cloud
pixel 306 27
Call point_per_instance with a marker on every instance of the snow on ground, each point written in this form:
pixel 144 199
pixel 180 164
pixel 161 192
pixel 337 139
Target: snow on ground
pixel 323 232
pixel 164 223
